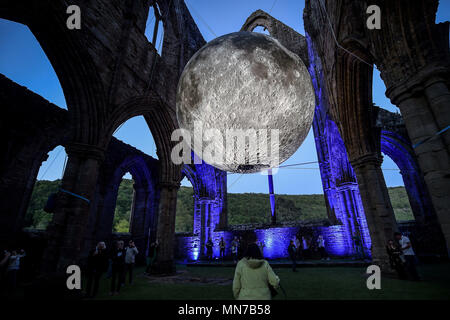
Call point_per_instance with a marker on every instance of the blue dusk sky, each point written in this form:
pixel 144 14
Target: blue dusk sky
pixel 23 61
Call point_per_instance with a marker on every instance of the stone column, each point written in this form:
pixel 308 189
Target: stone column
pixel 433 156
pixel 438 96
pixel 138 218
pixel 197 229
pixel 16 186
pixel 222 200
pixel 165 263
pixel 106 210
pixel 67 229
pixel 377 206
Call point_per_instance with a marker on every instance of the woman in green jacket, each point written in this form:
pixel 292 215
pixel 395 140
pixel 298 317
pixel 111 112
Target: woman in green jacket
pixel 253 275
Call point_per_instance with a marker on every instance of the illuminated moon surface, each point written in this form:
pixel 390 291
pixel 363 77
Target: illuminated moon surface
pixel 236 93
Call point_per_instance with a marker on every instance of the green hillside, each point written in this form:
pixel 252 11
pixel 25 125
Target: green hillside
pixel 242 208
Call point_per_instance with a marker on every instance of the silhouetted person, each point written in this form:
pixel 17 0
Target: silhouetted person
pixel 117 267
pixel 235 249
pixel 396 259
pixel 408 252
pixel 130 259
pixel 321 247
pixel 292 250
pixel 298 247
pixel 253 275
pixel 357 243
pixel 152 255
pixel 261 246
pixel 240 248
pixel 222 246
pixel 97 263
pixel 209 249
pixel 306 250
pixel 13 267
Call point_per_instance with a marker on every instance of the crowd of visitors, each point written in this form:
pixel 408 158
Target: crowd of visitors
pixel 117 263
pixel 253 279
pixel 303 247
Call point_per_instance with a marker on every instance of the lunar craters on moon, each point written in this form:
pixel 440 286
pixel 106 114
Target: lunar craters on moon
pixel 246 82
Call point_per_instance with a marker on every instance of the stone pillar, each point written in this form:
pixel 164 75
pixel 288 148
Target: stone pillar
pixel 165 263
pixel 104 211
pixel 67 229
pixel 377 206
pixel 139 213
pixel 433 156
pixel 352 216
pixel 16 186
pixel 198 242
pixel 151 219
pixel 221 200
pixel 438 96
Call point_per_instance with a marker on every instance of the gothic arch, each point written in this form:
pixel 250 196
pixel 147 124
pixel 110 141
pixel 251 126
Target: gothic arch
pixel 161 122
pixel 259 18
pixel 76 71
pixel 122 158
pixel 401 152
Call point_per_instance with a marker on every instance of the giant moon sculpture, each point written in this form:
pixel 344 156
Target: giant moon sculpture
pixel 236 94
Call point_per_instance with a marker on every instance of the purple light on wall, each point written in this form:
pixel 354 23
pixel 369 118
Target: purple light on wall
pixel 272 196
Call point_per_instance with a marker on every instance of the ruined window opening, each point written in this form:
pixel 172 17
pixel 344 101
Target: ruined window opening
pixel 184 221
pixel 124 204
pixel 46 182
pixel 378 93
pixel 261 29
pixel 135 132
pixel 154 30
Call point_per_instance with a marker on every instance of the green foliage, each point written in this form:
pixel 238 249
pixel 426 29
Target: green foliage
pixel 242 208
pixel 400 204
pixel 185 210
pixel 36 217
pixel 122 213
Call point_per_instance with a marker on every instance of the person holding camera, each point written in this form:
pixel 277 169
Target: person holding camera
pixel 13 267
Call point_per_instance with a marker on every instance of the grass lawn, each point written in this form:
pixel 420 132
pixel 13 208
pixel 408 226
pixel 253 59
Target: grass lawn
pixel 344 283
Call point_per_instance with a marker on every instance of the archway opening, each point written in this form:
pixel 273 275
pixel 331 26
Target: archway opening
pixel 124 205
pixel 261 29
pixel 45 183
pixel 135 132
pixel 127 186
pixel 184 221
pixel 397 192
